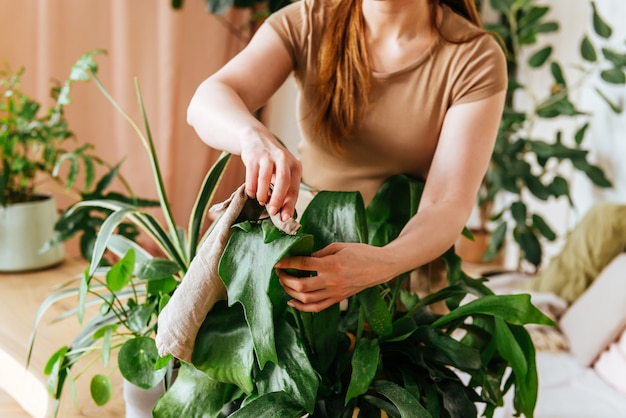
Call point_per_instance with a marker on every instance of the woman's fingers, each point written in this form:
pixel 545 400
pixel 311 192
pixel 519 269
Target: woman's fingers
pixel 273 178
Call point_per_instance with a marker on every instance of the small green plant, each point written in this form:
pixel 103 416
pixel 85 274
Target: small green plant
pixel 33 143
pixel 525 164
pixel 37 145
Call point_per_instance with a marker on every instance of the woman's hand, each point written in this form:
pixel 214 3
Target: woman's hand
pixel 272 174
pixel 342 270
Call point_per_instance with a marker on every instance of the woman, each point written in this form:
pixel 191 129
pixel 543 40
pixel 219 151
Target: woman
pixel 386 87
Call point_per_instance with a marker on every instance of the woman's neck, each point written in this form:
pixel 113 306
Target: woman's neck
pixel 397 32
pixel 397 20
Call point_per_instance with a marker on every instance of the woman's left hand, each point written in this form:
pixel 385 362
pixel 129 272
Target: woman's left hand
pixel 342 270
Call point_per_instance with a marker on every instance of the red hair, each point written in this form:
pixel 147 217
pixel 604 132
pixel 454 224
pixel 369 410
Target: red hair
pixel 344 69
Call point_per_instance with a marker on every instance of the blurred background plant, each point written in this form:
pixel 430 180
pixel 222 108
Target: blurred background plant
pixel 527 163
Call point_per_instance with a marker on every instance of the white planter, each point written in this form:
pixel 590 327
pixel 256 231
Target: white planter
pixel 24 229
pixel 140 402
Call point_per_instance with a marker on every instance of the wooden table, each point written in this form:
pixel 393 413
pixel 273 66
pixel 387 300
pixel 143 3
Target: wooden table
pixel 21 294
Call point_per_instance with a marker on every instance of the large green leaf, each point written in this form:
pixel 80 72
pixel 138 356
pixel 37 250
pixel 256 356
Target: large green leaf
pixel 271 405
pixel 455 353
pixel 407 405
pixel 330 217
pixel 515 309
pixel 365 361
pixel 224 349
pixel 385 221
pixel 335 217
pixel 293 374
pixel 376 311
pixel 247 270
pixel 193 395
pixel 526 388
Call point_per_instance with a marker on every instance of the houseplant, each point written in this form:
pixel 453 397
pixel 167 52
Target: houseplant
pixel 35 147
pixel 526 164
pixel 375 355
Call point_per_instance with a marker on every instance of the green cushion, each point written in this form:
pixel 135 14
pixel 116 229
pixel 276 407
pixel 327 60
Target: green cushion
pixel 591 245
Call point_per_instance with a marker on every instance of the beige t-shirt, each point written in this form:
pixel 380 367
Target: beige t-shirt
pixel 400 128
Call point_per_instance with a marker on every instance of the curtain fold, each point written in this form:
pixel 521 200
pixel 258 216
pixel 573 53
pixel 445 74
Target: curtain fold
pixel 168 51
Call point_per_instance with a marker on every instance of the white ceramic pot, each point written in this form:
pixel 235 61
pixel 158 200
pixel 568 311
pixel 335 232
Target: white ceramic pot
pixel 24 229
pixel 140 402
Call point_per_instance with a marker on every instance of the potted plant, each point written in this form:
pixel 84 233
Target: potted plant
pixel 35 146
pixel 527 165
pixel 386 352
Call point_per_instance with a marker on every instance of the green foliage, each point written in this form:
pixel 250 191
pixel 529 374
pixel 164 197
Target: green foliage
pixel 525 165
pixel 32 142
pixel 407 366
pixel 255 356
pixel 133 291
pixel 36 146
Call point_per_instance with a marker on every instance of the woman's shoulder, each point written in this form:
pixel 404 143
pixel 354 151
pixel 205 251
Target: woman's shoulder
pixel 461 31
pixel 299 11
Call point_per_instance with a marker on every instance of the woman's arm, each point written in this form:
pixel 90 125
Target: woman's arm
pixel 460 162
pixel 221 112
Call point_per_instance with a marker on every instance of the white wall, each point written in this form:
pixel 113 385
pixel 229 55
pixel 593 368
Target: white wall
pixel 607 134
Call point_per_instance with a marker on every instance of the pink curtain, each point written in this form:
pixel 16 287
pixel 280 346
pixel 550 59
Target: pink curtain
pixel 169 52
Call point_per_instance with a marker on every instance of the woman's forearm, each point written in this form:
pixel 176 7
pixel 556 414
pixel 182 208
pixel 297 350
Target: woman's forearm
pixel 221 118
pixel 428 235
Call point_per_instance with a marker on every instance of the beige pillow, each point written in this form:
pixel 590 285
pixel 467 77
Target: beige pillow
pixel 598 316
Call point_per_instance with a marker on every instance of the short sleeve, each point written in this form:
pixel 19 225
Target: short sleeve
pixel 291 24
pixel 482 72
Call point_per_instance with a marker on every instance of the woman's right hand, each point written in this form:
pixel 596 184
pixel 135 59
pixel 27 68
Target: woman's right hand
pixel 272 174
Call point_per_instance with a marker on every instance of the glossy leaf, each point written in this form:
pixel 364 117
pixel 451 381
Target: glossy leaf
pixel 136 359
pixel 407 405
pixel 101 389
pixel 193 394
pixel 365 360
pixel 271 405
pixel 224 348
pixel 247 270
pixel 515 309
pixel 157 268
pixel 293 374
pixel 526 387
pixel 335 217
pixel 385 221
pixel 375 310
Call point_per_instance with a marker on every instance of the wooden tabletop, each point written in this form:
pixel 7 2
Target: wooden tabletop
pixel 21 294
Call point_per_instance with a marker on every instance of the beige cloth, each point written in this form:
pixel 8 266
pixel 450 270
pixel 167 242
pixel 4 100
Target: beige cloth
pixel 202 287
